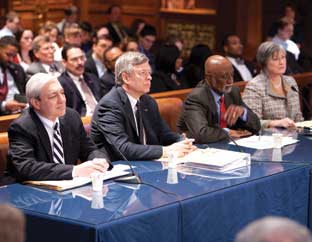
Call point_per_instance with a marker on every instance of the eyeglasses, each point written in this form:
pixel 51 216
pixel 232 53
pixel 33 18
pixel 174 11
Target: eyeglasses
pixel 143 73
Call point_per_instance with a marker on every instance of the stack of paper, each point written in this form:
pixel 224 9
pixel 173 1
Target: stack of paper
pixel 61 185
pixel 307 123
pixel 217 159
pixel 263 142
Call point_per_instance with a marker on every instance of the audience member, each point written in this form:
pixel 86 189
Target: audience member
pixel 233 48
pixel 101 31
pixel 194 70
pixel 117 30
pixel 127 119
pixel 214 109
pixel 86 36
pixel 12 77
pixel 291 17
pixel 164 78
pixel 131 45
pixel 136 26
pixel 12 24
pixel 50 29
pixel 110 57
pixel 44 54
pixel 25 55
pixel 95 62
pixel 271 95
pixel 274 229
pixel 284 32
pixel 82 90
pixel 47 140
pixel 71 16
pixel 146 40
pixel 13 224
pixel 72 36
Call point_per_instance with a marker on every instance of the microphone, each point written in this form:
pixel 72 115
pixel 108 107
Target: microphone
pixel 131 178
pixel 233 140
pixel 302 97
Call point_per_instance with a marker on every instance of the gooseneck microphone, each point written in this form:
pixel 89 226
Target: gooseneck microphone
pixel 233 140
pixel 131 178
pixel 303 98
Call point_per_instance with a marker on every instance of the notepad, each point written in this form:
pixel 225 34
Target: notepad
pixel 62 185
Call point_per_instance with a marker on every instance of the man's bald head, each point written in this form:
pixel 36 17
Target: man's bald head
pixel 219 73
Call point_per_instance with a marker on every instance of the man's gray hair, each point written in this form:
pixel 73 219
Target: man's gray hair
pixel 266 50
pixel 276 229
pixel 36 83
pixel 126 62
pixel 38 41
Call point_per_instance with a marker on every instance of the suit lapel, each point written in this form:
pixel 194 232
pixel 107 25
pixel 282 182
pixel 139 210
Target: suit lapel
pixel 127 107
pixel 73 86
pixel 43 135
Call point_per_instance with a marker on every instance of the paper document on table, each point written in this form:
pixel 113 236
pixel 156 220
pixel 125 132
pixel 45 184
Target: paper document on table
pixel 216 159
pixel 307 123
pixel 264 142
pixel 62 185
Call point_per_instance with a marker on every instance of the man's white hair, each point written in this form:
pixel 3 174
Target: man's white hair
pixel 36 83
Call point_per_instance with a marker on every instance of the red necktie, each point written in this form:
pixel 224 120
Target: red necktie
pixel 4 86
pixel 222 112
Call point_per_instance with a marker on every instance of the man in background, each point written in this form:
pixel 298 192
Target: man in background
pixel 12 78
pixel 12 24
pixel 233 48
pixel 110 57
pixel 95 62
pixel 82 90
pixel 44 52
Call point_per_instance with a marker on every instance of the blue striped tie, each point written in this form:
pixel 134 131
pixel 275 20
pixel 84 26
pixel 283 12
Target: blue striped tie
pixel 58 155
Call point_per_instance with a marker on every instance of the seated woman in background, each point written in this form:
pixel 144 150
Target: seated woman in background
pixel 193 71
pixel 165 76
pixel 271 95
pixel 25 38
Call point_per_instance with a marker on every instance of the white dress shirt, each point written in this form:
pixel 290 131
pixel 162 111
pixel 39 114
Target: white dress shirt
pixel 242 69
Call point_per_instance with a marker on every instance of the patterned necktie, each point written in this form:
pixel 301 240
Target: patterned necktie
pixel 4 86
pixel 138 116
pixel 58 154
pixel 222 112
pixel 89 99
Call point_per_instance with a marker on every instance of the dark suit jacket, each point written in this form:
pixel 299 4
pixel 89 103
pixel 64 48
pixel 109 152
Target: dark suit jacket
pixel 73 97
pixel 162 82
pixel 250 66
pixel 37 67
pixel 112 32
pixel 19 77
pixel 30 153
pixel 90 66
pixel 199 117
pixel 113 124
pixel 107 82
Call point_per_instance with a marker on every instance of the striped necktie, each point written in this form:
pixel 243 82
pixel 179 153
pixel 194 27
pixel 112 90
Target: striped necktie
pixel 58 154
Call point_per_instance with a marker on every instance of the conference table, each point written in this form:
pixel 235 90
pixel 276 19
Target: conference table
pixel 184 203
